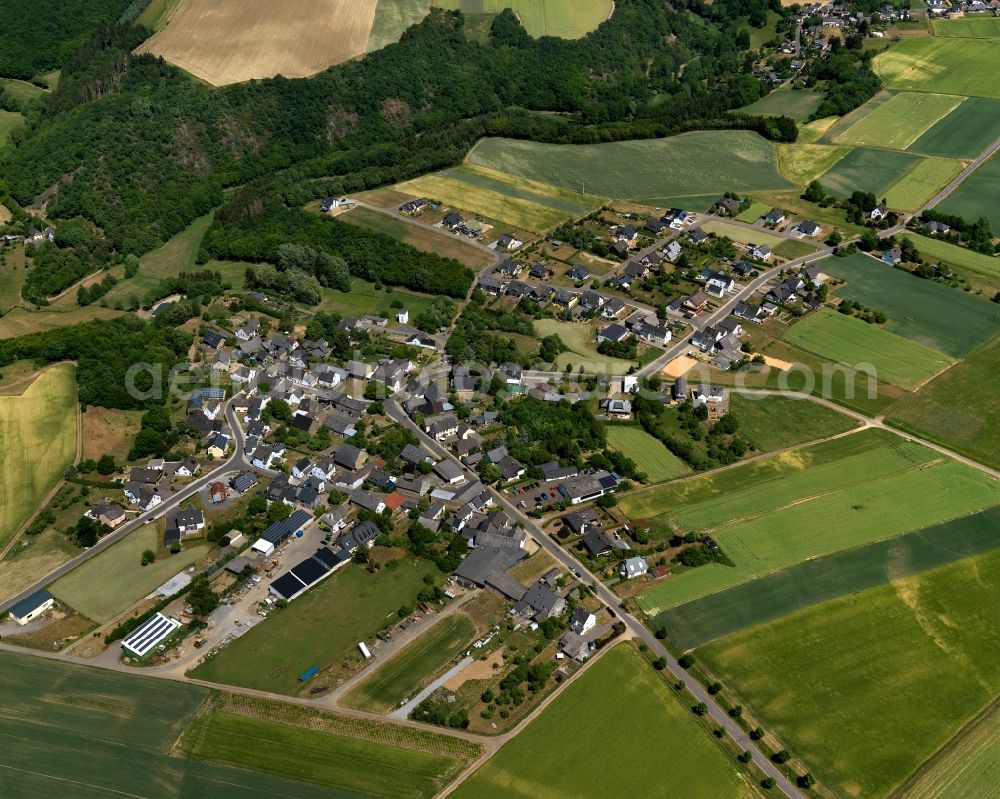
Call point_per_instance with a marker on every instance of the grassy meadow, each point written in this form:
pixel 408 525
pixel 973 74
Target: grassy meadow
pixel 776 422
pixel 652 458
pixel 392 18
pixel 650 171
pixel 982 271
pixel 581 338
pixel 803 163
pixel 849 340
pixel 875 683
pixel 896 124
pixel 744 235
pixel 562 18
pixel 578 747
pixel 38 431
pixel 794 103
pixel 943 65
pixel 407 672
pixel 9 122
pixel 979 195
pixel 968 27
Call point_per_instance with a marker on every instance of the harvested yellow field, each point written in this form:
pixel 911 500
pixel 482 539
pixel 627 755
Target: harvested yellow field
pixel 228 41
pixel 803 163
pixel 811 131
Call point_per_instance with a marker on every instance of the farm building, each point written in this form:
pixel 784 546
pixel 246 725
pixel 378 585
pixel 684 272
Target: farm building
pixel 307 573
pixel 149 634
pixel 280 532
pixel 31 607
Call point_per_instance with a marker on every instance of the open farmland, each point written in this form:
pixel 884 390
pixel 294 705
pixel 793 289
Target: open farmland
pixel 940 64
pixel 921 183
pixel 646 719
pixel 110 582
pixel 229 41
pixel 797 104
pixel 113 734
pixel 897 123
pixel 919 310
pixel 964 133
pixel 873 684
pixel 968 27
pixel 512 200
pixel 967 768
pixel 867 169
pixel 392 18
pixel 563 18
pixel 804 163
pixel 822 579
pixel 958 408
pixel 784 510
pixel 776 422
pixel 979 195
pixel 983 271
pixel 38 431
pixel 272 655
pixel 693 164
pixel 868 348
pixel 652 458
pixel 744 235
pixel 407 672
pixel 423 238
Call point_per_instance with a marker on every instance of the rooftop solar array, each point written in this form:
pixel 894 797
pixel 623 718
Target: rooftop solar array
pixel 309 572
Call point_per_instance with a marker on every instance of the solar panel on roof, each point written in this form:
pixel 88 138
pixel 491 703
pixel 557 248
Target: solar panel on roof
pixel 326 556
pixel 309 571
pixel 288 585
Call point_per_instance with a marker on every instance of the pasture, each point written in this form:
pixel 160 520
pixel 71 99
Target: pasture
pixel 444 244
pixel 942 65
pixel 964 133
pixel 647 719
pixel 38 431
pixel 958 408
pixel 797 104
pixel 804 163
pixel 823 579
pixel 9 121
pixel 114 579
pixel 407 672
pixel 562 18
pixel 921 183
pixel 229 41
pixel 905 665
pixel 272 655
pixel 20 321
pixel 867 348
pixel 979 195
pixel 776 422
pixel 649 171
pixel 979 269
pixel 581 338
pixel 867 169
pixel 968 27
pixel 920 310
pixel 795 510
pixel 741 234
pixel 511 200
pixel 652 458
pixel 392 18
pixel 897 123
pixel 335 761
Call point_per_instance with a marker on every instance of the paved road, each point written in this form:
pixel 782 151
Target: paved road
pixel 404 711
pixel 236 461
pixel 972 167
pixel 637 628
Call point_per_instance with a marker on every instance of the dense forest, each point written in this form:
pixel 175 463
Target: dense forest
pixel 37 36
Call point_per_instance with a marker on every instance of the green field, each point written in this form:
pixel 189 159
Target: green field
pixel 581 338
pixel 940 64
pixel 406 673
pixel 959 409
pixel 364 298
pixel 9 121
pixel 392 18
pixel 512 200
pixel 651 170
pixel 75 732
pixel 804 163
pixel 979 195
pixel 753 212
pixel 38 435
pixel 921 183
pixel 156 14
pixel 776 422
pixel 867 348
pixel 975 266
pixel 111 581
pixel 744 235
pixel 968 27
pixel 362 767
pixel 823 579
pixel 797 104
pixel 274 653
pixel 423 238
pixel 968 765
pixel 873 684
pixel 20 90
pixel 965 132
pixel 896 124
pixel 867 169
pixel 776 512
pixel 597 739
pixel 652 458
pixel 790 248
pixel 562 18
pixel 920 310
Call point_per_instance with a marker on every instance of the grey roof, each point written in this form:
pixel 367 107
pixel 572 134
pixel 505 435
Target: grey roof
pixel 30 603
pixel 483 561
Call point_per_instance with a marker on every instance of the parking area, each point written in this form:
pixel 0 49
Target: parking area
pixel 537 495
